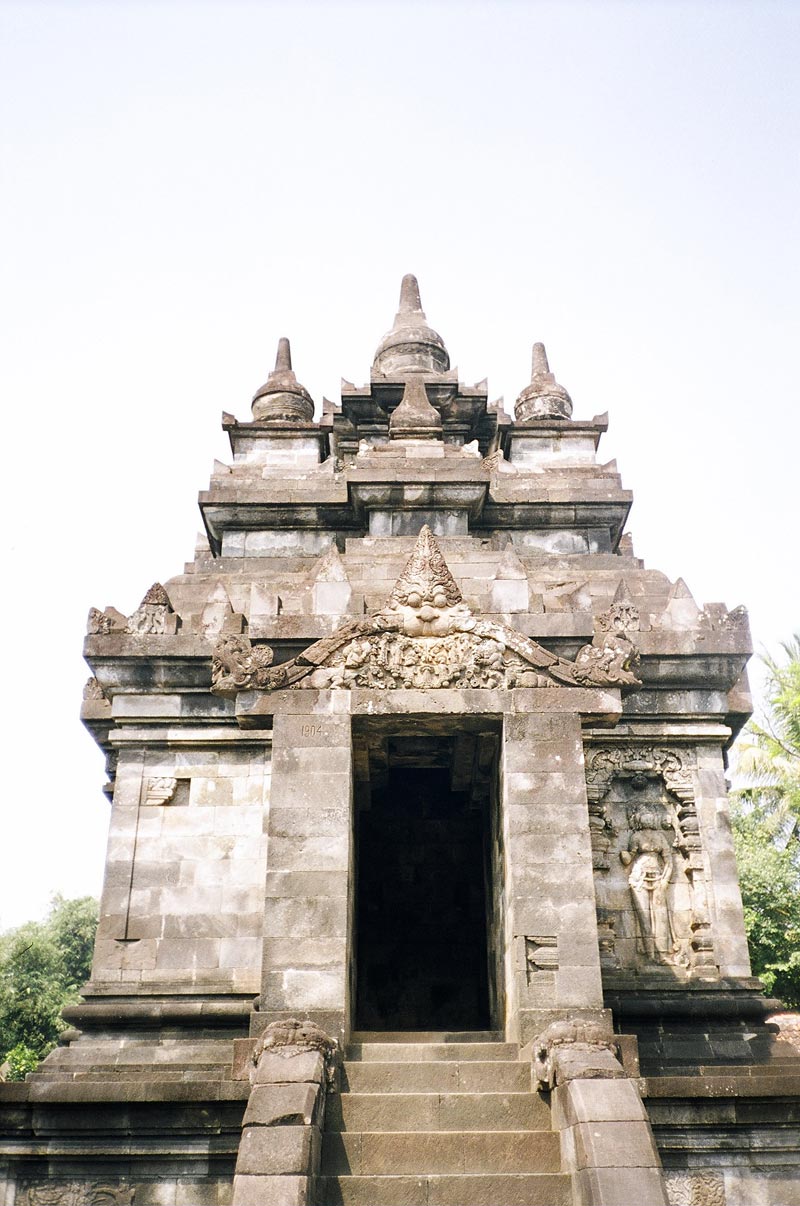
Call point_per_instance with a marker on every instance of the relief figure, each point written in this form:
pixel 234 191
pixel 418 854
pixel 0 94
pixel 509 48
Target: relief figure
pixel 649 858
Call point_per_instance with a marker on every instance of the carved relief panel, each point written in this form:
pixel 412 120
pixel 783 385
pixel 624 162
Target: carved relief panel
pixel 76 1193
pixel 650 878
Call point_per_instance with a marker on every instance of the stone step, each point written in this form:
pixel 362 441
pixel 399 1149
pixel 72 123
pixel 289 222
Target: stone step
pixel 498 1189
pixel 415 1053
pixel 420 1152
pixel 466 1076
pixel 427 1036
pixel 436 1112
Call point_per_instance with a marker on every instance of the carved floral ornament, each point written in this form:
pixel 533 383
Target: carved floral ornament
pixel 425 637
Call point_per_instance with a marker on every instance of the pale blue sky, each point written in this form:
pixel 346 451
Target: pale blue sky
pixel 183 183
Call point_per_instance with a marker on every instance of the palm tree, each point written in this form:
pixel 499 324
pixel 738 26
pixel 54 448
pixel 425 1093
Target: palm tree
pixel 768 755
pixel 766 828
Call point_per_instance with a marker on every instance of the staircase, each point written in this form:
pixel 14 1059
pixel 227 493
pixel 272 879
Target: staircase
pixel 428 1119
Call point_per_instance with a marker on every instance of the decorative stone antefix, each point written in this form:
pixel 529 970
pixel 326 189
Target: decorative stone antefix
pixel 509 591
pixel 154 616
pixel 294 1066
pixel 426 637
pixel 647 854
pixel 93 691
pixel 331 593
pixel 607 1144
pixel 218 615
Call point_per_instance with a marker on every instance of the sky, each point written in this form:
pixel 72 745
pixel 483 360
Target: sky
pixel 183 183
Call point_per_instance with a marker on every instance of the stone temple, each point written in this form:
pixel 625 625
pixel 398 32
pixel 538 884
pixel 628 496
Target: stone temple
pixel 420 887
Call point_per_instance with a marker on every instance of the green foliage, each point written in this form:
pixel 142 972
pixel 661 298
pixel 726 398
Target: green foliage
pixel 42 966
pixel 766 826
pixel 769 875
pixel 768 761
pixel 21 1060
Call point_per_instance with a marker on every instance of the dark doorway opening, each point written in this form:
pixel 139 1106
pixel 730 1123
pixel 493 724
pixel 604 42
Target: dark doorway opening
pixel 424 898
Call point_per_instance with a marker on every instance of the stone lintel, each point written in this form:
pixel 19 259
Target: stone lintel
pixel 600 706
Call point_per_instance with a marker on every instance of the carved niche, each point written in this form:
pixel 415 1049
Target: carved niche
pixel 425 637
pixel 650 878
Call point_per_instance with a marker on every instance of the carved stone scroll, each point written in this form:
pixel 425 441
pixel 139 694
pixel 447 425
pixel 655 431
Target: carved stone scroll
pixel 705 1188
pixel 573 1050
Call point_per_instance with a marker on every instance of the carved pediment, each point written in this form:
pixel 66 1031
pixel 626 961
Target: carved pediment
pixel 424 638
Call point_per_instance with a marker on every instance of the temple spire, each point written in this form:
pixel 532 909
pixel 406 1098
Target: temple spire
pixel 282 399
pixel 411 346
pixel 544 398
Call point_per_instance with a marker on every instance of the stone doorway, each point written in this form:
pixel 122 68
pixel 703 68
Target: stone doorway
pixel 426 936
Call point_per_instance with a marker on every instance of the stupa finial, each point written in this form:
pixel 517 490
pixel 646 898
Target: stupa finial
pixel 282 399
pixel 540 364
pixel 410 302
pixel 544 398
pixel 283 358
pixel 411 346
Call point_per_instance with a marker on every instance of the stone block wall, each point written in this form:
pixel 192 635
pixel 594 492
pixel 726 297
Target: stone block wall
pixel 183 900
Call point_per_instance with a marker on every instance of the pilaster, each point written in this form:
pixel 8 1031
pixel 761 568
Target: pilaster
pixel 552 956
pixel 310 870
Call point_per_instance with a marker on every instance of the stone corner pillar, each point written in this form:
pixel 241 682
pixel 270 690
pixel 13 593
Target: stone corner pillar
pixel 309 882
pixel 552 953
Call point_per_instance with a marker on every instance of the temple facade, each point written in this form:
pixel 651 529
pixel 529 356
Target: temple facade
pixel 420 886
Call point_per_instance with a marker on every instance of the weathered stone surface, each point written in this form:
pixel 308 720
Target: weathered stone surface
pixel 283 1105
pixel 271 1190
pixel 275 1151
pixel 457 763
